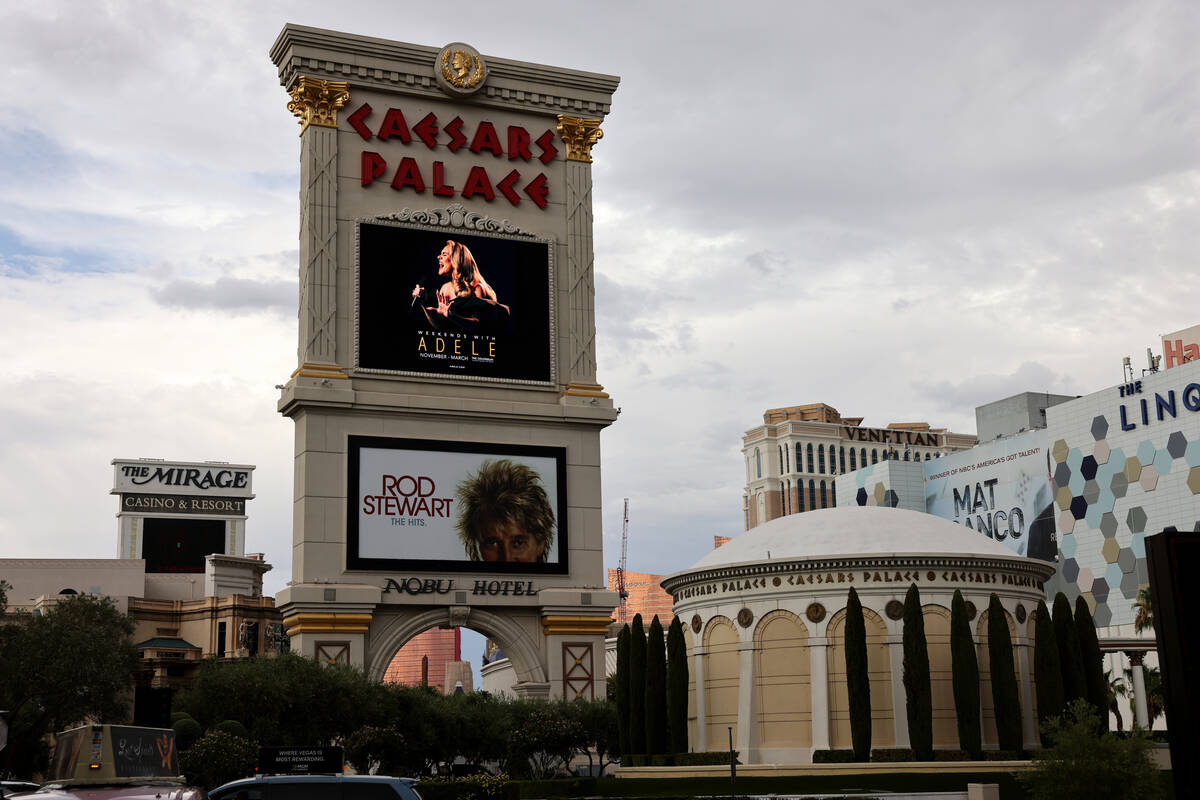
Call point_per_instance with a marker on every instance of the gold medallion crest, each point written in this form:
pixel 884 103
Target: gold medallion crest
pixel 460 69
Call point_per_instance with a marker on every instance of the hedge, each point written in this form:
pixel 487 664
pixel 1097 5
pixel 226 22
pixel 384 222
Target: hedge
pixel 833 756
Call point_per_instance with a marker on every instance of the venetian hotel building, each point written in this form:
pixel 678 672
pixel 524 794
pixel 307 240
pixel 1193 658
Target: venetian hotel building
pixel 792 458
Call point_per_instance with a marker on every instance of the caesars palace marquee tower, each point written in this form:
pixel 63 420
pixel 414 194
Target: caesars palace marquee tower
pixel 446 406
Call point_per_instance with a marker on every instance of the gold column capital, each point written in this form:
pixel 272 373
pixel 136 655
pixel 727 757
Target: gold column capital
pixel 579 134
pixel 316 101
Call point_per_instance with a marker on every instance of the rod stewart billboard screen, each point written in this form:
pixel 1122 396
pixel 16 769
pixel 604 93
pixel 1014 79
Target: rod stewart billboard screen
pixel 442 302
pixel 1000 490
pixel 423 505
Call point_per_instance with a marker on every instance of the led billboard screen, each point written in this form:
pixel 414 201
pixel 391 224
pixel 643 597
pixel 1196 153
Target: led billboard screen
pixel 455 506
pixel 444 303
pixel 1001 490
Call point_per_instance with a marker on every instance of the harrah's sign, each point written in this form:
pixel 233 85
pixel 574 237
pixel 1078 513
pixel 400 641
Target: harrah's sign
pixel 515 144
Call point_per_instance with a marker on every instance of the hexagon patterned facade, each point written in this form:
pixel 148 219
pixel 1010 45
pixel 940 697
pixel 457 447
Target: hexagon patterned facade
pixel 1125 464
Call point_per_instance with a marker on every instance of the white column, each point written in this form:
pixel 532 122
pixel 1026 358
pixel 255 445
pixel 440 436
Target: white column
pixel 1028 723
pixel 818 671
pixel 747 739
pixel 700 744
pixel 899 698
pixel 1141 714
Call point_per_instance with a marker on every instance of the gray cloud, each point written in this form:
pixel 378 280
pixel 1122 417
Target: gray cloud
pixel 235 295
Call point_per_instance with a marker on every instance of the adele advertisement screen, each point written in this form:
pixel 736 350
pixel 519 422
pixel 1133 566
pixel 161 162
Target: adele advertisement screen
pixel 442 302
pixel 420 505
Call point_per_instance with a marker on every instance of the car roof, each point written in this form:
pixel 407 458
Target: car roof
pixel 318 778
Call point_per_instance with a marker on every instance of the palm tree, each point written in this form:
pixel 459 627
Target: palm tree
pixel 1145 611
pixel 1155 699
pixel 1116 689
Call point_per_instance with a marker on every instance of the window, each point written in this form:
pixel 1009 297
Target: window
pixel 800 495
pixel 787 459
pixel 841 459
pixel 220 640
pixel 862 457
pixel 823 504
pixel 758 461
pixel 852 464
pixel 812 494
pixel 833 494
pixel 874 456
pixel 821 458
pixel 906 456
pixel 810 458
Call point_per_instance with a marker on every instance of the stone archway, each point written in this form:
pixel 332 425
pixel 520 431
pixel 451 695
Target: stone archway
pixel 391 629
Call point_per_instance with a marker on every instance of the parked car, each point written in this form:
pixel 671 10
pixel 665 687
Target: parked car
pixel 115 762
pixel 317 787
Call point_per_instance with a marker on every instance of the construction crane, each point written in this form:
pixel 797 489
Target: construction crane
pixel 621 591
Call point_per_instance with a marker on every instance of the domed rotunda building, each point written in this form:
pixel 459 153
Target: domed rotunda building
pixel 764 618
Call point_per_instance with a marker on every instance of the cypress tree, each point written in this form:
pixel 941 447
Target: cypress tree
pixel 858 679
pixel 917 691
pixel 1004 678
pixel 1047 669
pixel 677 687
pixel 637 687
pixel 1093 659
pixel 965 667
pixel 1074 681
pixel 623 690
pixel 656 690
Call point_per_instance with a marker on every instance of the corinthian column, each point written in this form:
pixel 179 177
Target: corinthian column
pixel 579 134
pixel 316 103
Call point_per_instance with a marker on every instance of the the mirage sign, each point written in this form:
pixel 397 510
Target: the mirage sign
pixel 150 476
pixel 1001 490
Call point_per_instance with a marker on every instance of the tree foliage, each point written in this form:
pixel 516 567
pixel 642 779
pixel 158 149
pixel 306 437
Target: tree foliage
pixel 623 690
pixel 1067 636
pixel 656 689
pixel 1005 700
pixel 1144 605
pixel 677 687
pixel 1047 670
pixel 73 662
pixel 858 679
pixel 1093 659
pixel 965 676
pixel 1088 762
pixel 637 686
pixel 917 691
pixel 218 757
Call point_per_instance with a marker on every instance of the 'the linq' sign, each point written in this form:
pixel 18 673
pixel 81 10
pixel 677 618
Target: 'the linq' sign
pixel 419 505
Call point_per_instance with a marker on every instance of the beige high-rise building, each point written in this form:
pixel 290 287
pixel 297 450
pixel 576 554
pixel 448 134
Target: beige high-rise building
pixel 792 458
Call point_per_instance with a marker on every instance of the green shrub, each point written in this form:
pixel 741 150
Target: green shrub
pixel 218 757
pixel 1047 670
pixel 1005 702
pixel 1093 660
pixel 380 748
pixel 952 755
pixel 637 760
pixel 918 693
pixel 656 689
pixel 677 683
pixel 232 726
pixel 1090 763
pixel 965 677
pixel 705 759
pixel 1067 636
pixel 889 755
pixel 637 686
pixel 1001 755
pixel 622 681
pixel 662 760
pixel 467 787
pixel 858 680
pixel 178 715
pixel 187 733
pixel 833 756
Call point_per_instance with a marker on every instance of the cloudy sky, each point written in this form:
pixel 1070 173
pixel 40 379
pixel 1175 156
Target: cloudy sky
pixel 900 209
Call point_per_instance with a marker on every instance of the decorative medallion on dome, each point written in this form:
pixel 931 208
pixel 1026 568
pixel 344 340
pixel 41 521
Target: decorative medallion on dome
pixel 894 609
pixel 815 612
pixel 460 70
pixel 696 623
pixel 745 618
pixel 1021 613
